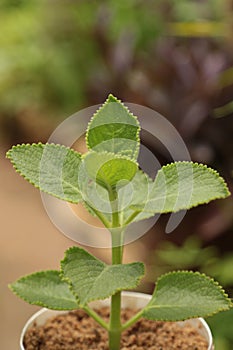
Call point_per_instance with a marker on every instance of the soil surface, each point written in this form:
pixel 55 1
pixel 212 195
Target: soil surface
pixel 77 331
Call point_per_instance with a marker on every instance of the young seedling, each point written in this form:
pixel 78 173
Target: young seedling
pixel 109 183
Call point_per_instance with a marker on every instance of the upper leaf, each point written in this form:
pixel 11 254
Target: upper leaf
pixel 91 279
pixel 183 185
pixel 114 129
pixel 47 289
pixel 97 197
pixel 182 295
pixel 51 168
pixel 107 169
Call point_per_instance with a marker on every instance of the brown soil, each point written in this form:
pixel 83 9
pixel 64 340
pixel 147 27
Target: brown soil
pixel 76 331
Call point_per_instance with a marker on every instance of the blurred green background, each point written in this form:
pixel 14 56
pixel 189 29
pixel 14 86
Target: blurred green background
pixel 174 56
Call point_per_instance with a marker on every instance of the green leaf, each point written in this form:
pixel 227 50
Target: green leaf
pixel 182 295
pixel 91 279
pixel 51 168
pixel 114 129
pixel 107 169
pixel 183 185
pixel 133 194
pixel 97 197
pixel 221 324
pixel 47 289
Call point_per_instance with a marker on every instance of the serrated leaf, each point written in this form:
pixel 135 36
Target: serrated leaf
pixel 97 197
pixel 183 295
pixel 183 185
pixel 51 168
pixel 47 289
pixel 138 189
pixel 91 279
pixel 114 129
pixel 133 194
pixel 107 169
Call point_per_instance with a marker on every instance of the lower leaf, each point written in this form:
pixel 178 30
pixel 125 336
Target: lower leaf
pixel 47 289
pixel 182 295
pixel 91 279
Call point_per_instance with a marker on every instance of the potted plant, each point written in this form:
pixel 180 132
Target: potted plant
pixel 108 181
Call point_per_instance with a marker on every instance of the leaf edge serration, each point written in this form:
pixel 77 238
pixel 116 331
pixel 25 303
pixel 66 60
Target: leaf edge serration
pixel 39 303
pixel 112 98
pixel 114 155
pixel 8 156
pixel 212 280
pixel 199 165
pixel 137 282
pixel 68 281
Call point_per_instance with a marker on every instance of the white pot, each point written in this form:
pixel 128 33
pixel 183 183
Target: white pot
pixel 129 299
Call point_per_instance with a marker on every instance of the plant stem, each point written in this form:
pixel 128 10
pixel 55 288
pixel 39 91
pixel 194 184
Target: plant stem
pixel 102 218
pixel 128 221
pixel 117 253
pixel 115 322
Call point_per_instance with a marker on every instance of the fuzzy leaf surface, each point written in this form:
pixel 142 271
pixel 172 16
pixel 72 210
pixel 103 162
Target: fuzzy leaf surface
pixel 114 129
pixel 183 185
pixel 92 279
pixel 182 295
pixel 97 197
pixel 51 168
pixel 47 289
pixel 107 169
pixel 134 194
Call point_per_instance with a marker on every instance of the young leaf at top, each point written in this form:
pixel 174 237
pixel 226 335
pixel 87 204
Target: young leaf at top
pixel 91 279
pixel 129 189
pixel 47 289
pixel 182 295
pixel 114 129
pixel 108 169
pixel 183 185
pixel 51 168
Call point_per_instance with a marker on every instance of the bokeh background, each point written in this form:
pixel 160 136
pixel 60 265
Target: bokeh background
pixel 59 56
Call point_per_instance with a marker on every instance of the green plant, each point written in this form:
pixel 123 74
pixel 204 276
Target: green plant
pixel 108 181
pixel 191 255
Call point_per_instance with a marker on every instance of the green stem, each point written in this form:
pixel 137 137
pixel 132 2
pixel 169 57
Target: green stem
pixel 117 253
pixel 113 197
pixel 132 216
pixel 117 248
pixel 115 322
pixel 102 218
pixel 96 317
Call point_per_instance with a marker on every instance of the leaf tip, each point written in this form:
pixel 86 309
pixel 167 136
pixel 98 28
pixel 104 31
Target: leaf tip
pixel 112 98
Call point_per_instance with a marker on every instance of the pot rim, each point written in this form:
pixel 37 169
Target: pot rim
pixel 137 295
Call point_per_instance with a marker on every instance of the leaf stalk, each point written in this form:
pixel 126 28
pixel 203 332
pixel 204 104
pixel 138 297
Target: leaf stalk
pixel 96 317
